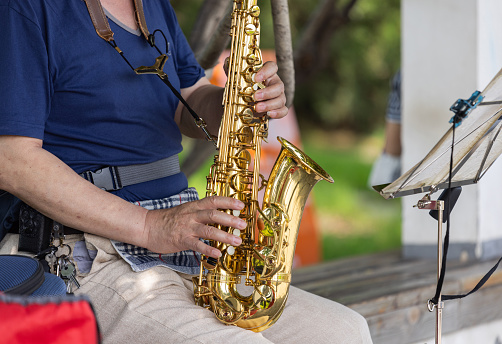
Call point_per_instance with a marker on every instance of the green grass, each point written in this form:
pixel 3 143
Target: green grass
pixel 352 218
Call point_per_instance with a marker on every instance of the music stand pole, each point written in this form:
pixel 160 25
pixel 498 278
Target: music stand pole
pixel 426 203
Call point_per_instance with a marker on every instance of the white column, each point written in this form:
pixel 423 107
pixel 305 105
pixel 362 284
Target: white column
pixel 450 48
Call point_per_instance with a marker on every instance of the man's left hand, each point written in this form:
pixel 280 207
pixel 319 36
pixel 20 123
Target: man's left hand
pixel 271 99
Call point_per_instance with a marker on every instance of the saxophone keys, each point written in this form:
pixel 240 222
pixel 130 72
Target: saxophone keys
pixel 263 297
pixel 246 116
pixel 258 86
pixel 252 59
pixel 247 94
pixel 255 11
pixel 250 29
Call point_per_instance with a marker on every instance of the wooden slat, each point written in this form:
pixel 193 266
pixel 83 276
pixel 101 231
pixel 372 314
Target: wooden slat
pixel 392 293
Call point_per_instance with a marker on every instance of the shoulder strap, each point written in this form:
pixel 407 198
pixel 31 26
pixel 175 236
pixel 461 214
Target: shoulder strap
pixel 140 18
pixel 100 22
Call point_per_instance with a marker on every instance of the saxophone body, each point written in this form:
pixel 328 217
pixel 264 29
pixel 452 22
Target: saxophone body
pixel 248 285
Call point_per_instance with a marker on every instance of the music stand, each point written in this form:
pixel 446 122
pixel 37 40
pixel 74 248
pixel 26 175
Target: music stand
pixel 477 144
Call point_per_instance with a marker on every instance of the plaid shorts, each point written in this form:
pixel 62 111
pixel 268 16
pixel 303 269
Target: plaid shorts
pixel 142 259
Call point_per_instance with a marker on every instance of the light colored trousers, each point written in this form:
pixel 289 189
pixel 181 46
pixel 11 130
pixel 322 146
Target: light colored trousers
pixel 156 306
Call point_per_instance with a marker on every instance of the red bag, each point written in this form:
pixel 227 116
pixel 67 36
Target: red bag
pixel 47 320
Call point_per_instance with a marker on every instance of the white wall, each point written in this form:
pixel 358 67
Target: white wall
pixel 450 48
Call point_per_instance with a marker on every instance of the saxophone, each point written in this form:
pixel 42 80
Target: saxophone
pixel 264 259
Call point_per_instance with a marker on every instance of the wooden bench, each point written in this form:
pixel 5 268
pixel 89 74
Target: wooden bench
pixel 392 293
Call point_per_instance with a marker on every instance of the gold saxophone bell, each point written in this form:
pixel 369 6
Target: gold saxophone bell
pixel 248 285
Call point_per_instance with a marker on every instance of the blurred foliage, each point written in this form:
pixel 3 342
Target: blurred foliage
pixel 352 218
pixel 351 92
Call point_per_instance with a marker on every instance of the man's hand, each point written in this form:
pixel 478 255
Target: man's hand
pixel 270 100
pixel 205 99
pixel 180 228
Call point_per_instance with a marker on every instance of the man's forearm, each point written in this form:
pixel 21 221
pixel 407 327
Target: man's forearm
pixel 206 101
pixel 46 183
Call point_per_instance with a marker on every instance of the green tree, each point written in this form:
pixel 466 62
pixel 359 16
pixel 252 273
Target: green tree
pixel 350 88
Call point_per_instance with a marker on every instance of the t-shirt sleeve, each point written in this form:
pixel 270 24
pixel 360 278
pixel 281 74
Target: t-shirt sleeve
pixel 189 70
pixel 24 75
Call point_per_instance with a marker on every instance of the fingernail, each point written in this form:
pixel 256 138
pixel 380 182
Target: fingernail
pixel 242 224
pixel 258 95
pixel 216 254
pixel 259 107
pixel 237 241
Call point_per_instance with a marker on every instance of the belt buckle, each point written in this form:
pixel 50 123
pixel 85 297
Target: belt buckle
pixel 103 179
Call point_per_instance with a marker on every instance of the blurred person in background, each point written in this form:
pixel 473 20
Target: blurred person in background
pixel 387 167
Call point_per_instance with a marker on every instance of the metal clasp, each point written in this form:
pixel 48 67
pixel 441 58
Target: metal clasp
pixel 462 107
pixel 431 306
pixel 425 203
pixel 103 179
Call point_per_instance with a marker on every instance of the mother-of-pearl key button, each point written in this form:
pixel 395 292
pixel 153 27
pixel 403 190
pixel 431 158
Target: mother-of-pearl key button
pixel 231 250
pixel 236 212
pixel 236 232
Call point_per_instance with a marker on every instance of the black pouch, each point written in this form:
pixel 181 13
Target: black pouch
pixel 34 230
pixel 9 213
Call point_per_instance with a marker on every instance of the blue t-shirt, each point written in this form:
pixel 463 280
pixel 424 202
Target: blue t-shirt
pixel 61 83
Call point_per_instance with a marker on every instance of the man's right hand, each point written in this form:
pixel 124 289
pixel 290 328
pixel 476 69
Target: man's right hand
pixel 180 228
